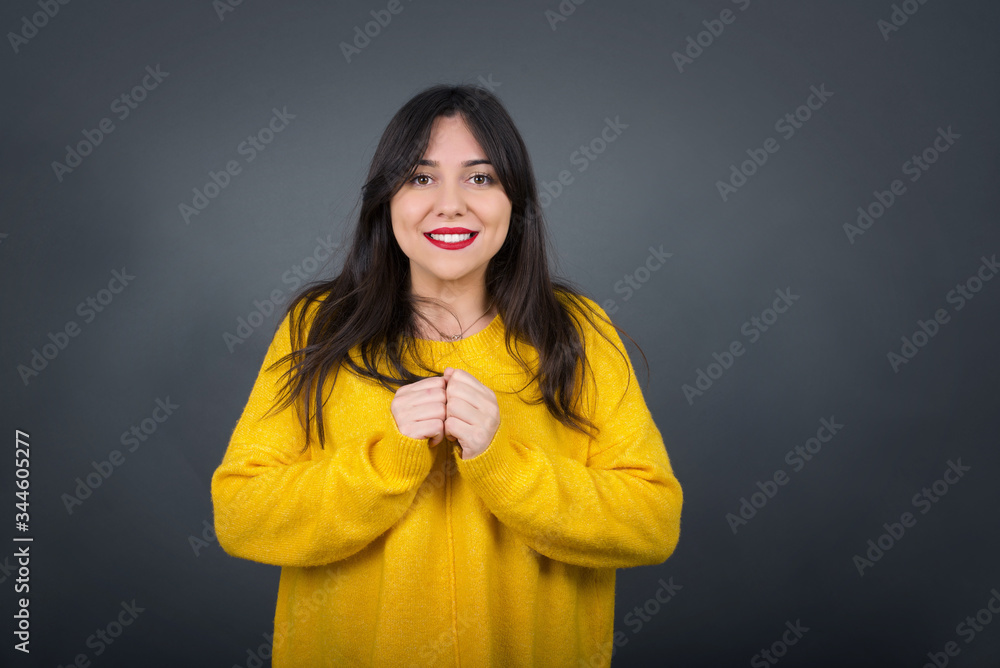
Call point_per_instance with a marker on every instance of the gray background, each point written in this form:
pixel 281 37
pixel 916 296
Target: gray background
pixel 136 536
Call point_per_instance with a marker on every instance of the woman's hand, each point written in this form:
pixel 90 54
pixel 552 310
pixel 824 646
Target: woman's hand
pixel 472 413
pixel 419 409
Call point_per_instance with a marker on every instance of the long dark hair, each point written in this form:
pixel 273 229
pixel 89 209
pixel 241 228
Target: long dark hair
pixel 369 304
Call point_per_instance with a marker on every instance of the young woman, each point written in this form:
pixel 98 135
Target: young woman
pixel 445 448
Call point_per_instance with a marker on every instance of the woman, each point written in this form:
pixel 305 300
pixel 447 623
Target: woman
pixel 461 492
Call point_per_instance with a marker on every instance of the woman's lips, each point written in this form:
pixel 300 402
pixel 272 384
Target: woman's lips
pixel 452 241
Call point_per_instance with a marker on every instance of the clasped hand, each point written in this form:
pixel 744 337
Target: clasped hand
pixel 455 406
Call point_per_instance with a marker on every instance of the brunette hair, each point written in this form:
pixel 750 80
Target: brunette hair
pixel 369 306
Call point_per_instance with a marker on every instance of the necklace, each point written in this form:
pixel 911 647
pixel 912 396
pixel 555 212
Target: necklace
pixel 456 337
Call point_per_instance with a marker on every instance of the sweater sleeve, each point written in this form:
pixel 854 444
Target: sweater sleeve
pixel 276 504
pixel 620 509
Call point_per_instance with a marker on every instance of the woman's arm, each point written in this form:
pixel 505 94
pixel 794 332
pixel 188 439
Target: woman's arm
pixel 620 509
pixel 275 504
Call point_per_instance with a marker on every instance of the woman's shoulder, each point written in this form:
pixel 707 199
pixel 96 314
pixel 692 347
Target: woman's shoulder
pixel 298 317
pixel 603 351
pixel 603 348
pixel 590 318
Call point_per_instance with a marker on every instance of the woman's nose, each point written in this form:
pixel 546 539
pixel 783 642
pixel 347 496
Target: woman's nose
pixel 451 199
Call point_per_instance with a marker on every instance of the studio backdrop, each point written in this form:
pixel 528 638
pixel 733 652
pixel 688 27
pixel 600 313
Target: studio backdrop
pixel 790 206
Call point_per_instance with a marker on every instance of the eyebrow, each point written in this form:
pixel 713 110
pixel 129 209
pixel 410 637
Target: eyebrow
pixel 467 163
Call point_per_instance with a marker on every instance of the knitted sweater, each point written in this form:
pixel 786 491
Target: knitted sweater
pixel 395 553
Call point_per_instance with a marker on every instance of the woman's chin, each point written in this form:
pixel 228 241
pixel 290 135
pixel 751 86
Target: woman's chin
pixel 451 275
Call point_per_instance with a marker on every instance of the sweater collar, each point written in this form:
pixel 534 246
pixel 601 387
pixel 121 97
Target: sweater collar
pixel 483 341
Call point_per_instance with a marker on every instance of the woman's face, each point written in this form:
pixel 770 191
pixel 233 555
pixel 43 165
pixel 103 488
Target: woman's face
pixel 453 194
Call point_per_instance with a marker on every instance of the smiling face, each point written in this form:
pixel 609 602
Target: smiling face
pixel 452 216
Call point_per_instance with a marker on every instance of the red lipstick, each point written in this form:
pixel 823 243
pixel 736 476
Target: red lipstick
pixel 454 243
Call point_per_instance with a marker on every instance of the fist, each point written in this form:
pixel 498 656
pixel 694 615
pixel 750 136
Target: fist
pixel 472 415
pixel 419 409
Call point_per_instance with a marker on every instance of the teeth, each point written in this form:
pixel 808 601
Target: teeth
pixel 451 238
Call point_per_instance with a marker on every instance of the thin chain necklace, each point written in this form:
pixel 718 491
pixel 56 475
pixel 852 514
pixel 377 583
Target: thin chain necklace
pixel 456 337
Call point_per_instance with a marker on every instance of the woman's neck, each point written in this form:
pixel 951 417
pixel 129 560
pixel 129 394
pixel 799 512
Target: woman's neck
pixel 474 313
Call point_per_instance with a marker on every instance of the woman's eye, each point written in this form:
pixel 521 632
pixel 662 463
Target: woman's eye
pixel 478 179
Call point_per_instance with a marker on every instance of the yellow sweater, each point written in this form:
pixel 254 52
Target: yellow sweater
pixel 397 554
